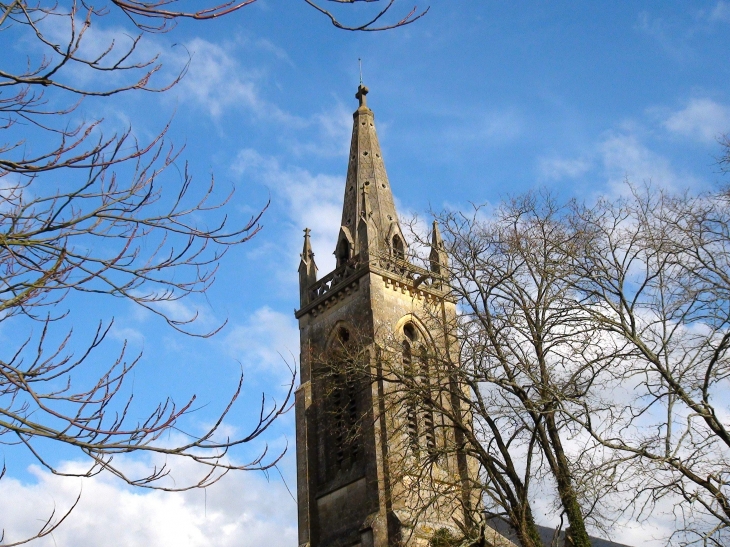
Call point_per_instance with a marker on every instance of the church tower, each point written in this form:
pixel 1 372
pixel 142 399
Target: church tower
pixel 351 438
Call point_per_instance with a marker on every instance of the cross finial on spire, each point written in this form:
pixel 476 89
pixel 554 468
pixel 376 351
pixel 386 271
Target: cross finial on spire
pixel 307 270
pixel 307 249
pixel 360 95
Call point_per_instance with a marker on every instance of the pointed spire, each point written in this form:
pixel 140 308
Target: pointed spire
pixel 437 241
pixel 307 269
pixel 367 169
pixel 438 257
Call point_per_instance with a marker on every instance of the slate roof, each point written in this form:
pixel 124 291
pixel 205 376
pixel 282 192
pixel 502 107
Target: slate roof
pixel 546 534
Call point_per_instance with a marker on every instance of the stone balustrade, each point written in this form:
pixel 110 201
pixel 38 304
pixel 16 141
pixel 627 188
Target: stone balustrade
pixel 332 279
pixel 401 268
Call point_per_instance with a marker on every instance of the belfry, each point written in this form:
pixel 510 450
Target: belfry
pixel 352 441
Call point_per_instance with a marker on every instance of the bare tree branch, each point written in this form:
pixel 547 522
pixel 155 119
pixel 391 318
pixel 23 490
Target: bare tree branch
pixel 85 209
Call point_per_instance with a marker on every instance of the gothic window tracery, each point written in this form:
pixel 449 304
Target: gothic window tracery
pixel 429 430
pixel 411 402
pixel 341 423
pixel 419 402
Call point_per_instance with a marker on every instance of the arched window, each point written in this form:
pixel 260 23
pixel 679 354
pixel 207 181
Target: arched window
pixel 398 247
pixel 429 430
pixel 342 253
pixel 419 393
pixel 410 332
pixel 411 398
pixel 341 423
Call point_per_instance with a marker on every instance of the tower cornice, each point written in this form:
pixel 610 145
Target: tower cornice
pixel 396 273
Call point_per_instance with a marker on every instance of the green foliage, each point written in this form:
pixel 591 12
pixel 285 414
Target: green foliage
pixel 443 538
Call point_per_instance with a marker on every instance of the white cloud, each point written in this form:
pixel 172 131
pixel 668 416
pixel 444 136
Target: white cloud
pixel 217 81
pixel 561 168
pixel 497 126
pixel 624 157
pixel 701 119
pixel 311 200
pixel 266 341
pixel 241 510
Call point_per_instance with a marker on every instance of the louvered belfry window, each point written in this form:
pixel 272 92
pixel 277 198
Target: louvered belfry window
pixel 342 409
pixel 418 394
pixel 411 398
pixel 426 392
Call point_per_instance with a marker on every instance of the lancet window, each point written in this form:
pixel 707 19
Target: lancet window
pixel 342 407
pixel 429 430
pixel 342 252
pixel 418 394
pixel 411 398
pixel 398 247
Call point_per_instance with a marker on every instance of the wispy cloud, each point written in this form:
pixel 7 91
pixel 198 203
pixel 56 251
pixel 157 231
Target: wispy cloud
pixel 632 152
pixel 332 129
pixel 702 119
pixel 669 35
pixel 270 47
pixel 721 12
pixel 310 200
pixel 127 334
pixel 561 168
pixel 108 43
pixel 218 81
pixel 495 126
pixel 624 156
pixel 266 342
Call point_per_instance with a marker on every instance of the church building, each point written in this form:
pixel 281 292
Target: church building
pixel 354 436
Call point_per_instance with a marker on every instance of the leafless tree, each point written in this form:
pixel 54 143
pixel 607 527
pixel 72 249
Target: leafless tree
pixel 656 278
pixel 83 210
pixel 528 354
pixel 517 363
pixel 604 328
pixel 724 160
pixel 593 362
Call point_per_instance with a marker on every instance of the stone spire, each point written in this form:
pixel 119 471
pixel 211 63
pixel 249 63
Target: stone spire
pixel 366 170
pixel 307 269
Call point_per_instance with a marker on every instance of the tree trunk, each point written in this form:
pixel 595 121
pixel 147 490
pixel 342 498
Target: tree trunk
pixel 568 496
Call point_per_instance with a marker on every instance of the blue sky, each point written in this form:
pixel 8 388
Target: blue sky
pixel 473 102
